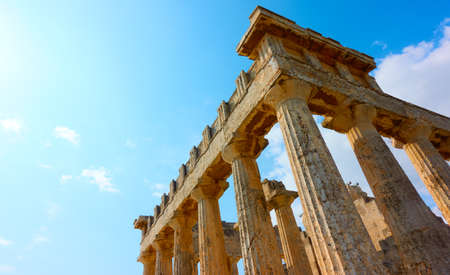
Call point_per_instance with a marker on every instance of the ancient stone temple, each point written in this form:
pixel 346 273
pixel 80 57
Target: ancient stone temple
pixel 297 72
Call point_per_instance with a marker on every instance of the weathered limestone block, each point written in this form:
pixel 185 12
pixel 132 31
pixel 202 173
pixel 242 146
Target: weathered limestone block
pixel 422 240
pixel 164 201
pixel 258 241
pixel 206 136
pixel 370 214
pixel 141 223
pixel 241 84
pixel 163 245
pixel 157 211
pixel 280 199
pixel 223 113
pixel 184 257
pixel 182 173
pixel 148 259
pixel 211 243
pixel 310 253
pixel 430 165
pixel 378 230
pixel 338 234
pixel 173 189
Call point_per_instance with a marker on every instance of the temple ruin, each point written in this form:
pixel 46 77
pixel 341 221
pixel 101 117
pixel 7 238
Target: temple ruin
pixel 297 72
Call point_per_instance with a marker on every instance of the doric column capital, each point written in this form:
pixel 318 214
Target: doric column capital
pixel 411 131
pixel 182 220
pixel 414 130
pixel 346 117
pixel 364 114
pixel 147 257
pixel 208 188
pixel 276 194
pixel 163 242
pixel 141 223
pixel 286 89
pixel 243 146
pixel 282 199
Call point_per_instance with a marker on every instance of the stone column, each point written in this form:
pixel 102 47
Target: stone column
pixel 257 236
pixel 211 244
pixel 148 259
pixel 339 236
pixel 184 256
pixel 233 263
pixel 280 199
pixel 164 251
pixel 310 252
pixel 423 241
pixel 430 165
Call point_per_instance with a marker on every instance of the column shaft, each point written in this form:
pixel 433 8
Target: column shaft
pixel 184 258
pixel 423 241
pixel 148 260
pixel 280 199
pixel 233 264
pixel 343 240
pixel 213 257
pixel 258 240
pixel 149 269
pixel 433 170
pixel 163 257
pixel 297 262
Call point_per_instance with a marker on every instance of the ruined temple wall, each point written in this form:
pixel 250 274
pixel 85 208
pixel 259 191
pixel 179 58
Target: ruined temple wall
pixel 371 216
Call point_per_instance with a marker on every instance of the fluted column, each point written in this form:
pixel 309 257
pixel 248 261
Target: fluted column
pixel 183 253
pixel 294 252
pixel 148 259
pixel 430 165
pixel 258 239
pixel 310 253
pixel 233 263
pixel 213 257
pixel 339 236
pixel 163 245
pixel 423 241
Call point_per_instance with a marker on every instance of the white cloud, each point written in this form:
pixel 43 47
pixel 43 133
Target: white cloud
pixel 157 194
pixel 53 209
pixel 5 242
pixel 11 125
pixel 419 74
pixel 45 166
pixel 381 44
pixel 7 268
pixel 66 178
pixel 67 134
pixel 39 239
pixel 160 186
pixel 47 144
pixel 99 177
pixel 130 144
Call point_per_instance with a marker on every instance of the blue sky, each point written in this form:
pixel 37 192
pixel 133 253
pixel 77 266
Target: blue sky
pixel 101 101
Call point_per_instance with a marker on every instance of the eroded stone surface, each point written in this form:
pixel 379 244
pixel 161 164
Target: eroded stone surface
pixel 280 200
pixel 332 80
pixel 213 257
pixel 423 241
pixel 431 167
pixel 336 227
pixel 258 241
